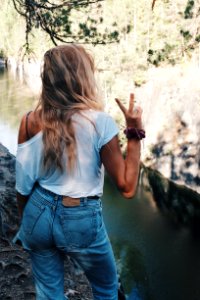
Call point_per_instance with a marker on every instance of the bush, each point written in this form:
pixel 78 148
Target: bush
pixel 2 54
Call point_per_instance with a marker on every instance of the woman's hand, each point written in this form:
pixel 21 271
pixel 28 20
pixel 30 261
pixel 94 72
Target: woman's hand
pixel 133 115
pixel 124 172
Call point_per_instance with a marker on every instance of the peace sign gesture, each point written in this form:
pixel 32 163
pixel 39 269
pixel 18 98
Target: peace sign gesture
pixel 133 115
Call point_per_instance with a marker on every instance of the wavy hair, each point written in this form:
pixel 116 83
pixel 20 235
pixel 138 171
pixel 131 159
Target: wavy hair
pixel 68 87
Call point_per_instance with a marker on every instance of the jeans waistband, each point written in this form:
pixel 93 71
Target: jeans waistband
pixel 44 192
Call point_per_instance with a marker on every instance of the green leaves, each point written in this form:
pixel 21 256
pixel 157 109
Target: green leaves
pixel 186 22
pixel 197 39
pixel 186 34
pixel 156 57
pixel 57 19
pixel 188 13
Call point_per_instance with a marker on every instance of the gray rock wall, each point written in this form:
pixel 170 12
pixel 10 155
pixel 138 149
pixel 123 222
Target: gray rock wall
pixel 171 105
pixel 178 202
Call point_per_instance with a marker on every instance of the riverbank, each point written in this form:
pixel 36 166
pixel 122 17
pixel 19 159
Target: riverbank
pixel 15 274
pixel 180 203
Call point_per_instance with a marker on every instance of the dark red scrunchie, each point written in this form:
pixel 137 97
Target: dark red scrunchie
pixel 134 133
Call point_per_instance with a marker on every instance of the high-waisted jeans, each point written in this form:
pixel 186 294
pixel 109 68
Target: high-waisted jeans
pixel 49 231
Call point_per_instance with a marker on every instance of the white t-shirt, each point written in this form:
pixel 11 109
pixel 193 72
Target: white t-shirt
pixel 87 179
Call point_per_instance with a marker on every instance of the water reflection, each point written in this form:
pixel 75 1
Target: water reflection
pixel 8 137
pixel 15 100
pixel 131 268
pixel 160 260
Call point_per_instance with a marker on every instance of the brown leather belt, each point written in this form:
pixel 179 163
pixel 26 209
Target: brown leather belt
pixel 69 201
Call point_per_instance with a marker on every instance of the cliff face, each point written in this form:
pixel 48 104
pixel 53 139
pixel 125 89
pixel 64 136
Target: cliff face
pixel 181 204
pixel 171 105
pixel 8 208
pixel 15 274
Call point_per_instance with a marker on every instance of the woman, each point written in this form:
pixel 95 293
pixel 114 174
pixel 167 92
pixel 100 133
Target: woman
pixel 62 148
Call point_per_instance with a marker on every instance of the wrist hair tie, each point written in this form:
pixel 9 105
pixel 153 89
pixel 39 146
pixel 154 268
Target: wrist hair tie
pixel 134 133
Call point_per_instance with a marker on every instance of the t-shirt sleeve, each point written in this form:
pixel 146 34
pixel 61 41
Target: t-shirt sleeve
pixel 26 170
pixel 108 129
pixel 24 182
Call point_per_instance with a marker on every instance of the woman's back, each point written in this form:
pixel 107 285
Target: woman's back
pixel 93 129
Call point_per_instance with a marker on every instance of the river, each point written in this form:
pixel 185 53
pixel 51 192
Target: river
pixel 157 258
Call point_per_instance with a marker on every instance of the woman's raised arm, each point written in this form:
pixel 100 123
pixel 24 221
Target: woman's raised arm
pixel 124 172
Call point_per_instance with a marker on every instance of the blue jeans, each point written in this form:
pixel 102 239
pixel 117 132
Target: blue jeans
pixel 49 231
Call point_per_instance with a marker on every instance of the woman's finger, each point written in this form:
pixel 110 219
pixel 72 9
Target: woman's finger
pixel 121 106
pixel 131 102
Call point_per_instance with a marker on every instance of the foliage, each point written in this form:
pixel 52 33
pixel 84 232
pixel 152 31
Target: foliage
pixel 168 34
pixel 155 57
pixel 11 35
pixel 56 19
pixel 187 20
pixel 165 35
pixel 188 13
pixel 2 54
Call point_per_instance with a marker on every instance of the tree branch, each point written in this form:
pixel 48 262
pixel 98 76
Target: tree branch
pixel 19 12
pixel 153 4
pixel 69 4
pixel 48 14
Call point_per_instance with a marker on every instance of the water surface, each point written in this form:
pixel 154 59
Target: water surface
pixel 15 100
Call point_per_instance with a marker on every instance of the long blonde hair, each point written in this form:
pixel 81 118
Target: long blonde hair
pixel 68 87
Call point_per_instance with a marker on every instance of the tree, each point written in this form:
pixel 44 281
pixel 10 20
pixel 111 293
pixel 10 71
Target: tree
pixel 188 22
pixel 57 18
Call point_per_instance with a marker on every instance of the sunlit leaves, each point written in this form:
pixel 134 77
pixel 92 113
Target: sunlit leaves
pixel 188 13
pixel 156 57
pixel 55 18
pixel 197 39
pixel 188 27
pixel 186 34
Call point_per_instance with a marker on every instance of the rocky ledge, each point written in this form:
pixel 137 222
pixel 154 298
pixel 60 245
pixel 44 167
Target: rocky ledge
pixel 171 101
pixel 178 202
pixel 16 282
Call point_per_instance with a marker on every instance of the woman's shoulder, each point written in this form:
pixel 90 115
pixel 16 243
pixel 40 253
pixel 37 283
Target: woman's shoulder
pixel 30 126
pixel 97 115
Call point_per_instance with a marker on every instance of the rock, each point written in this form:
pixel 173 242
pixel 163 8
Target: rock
pixel 176 157
pixel 181 201
pixel 15 274
pixel 170 101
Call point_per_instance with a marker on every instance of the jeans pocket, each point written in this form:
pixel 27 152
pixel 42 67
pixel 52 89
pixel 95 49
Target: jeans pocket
pixel 79 227
pixel 31 215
